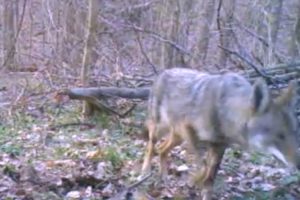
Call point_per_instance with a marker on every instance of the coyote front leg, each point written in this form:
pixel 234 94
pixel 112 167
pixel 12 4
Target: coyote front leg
pixel 205 177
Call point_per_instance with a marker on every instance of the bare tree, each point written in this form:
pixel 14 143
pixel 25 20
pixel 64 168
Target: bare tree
pixel 87 58
pixel 225 27
pixel 294 43
pixel 170 33
pixel 273 22
pixel 9 27
pixel 206 14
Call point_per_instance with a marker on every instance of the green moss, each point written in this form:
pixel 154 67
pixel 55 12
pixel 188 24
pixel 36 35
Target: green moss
pixel 112 155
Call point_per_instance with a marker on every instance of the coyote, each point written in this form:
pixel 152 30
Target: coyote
pixel 219 111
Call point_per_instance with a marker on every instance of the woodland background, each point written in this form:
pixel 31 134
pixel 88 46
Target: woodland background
pixel 50 45
pixel 142 37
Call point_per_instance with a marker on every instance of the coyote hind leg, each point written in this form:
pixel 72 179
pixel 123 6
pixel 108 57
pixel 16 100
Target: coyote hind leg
pixel 172 141
pixel 146 168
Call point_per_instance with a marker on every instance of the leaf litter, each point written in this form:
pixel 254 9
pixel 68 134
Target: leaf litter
pixel 42 159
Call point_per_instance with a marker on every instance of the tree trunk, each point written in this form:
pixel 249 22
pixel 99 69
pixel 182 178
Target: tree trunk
pixel 89 42
pixel 163 12
pixel 70 53
pixel 294 46
pixel 171 15
pixel 9 35
pixel 206 15
pixel 226 29
pixel 173 54
pixel 273 21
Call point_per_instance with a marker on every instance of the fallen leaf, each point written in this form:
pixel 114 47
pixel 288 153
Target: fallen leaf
pixel 94 155
pixel 55 163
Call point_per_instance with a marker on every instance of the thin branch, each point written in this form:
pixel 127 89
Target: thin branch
pixel 163 39
pixel 218 15
pixel 262 73
pixel 236 42
pixel 144 53
pixel 128 111
pixel 126 191
pixel 141 6
pixel 89 125
pixel 150 33
pixel 255 35
pixel 134 185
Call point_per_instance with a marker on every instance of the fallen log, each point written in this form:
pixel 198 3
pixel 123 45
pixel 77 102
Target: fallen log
pixel 97 98
pixel 106 92
pixel 277 69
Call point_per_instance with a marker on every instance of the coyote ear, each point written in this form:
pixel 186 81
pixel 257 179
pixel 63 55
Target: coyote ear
pixel 261 99
pixel 288 96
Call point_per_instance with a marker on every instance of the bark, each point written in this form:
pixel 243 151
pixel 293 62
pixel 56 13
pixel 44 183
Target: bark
pixel 205 20
pixel 162 16
pixel 104 92
pixel 97 97
pixel 175 24
pixel 172 26
pixel 294 46
pixel 173 54
pixel 171 12
pixel 9 35
pixel 273 21
pixel 225 29
pixel 89 42
pixel 70 53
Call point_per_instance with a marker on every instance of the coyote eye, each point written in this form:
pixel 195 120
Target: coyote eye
pixel 281 136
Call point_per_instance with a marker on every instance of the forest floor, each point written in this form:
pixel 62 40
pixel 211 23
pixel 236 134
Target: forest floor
pixel 47 151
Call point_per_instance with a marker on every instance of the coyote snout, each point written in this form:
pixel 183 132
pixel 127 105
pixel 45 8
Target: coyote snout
pixel 219 111
pixel 273 129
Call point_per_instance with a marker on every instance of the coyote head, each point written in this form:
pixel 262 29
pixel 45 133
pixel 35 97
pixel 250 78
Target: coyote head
pixel 273 125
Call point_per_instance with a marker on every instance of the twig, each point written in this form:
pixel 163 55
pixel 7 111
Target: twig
pixel 152 34
pixel 255 35
pixel 143 52
pixel 128 111
pixel 123 194
pixel 162 39
pixel 236 42
pixel 134 185
pixel 54 127
pixel 141 6
pixel 16 100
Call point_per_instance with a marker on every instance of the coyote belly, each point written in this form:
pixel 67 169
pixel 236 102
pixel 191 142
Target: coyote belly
pixel 219 111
